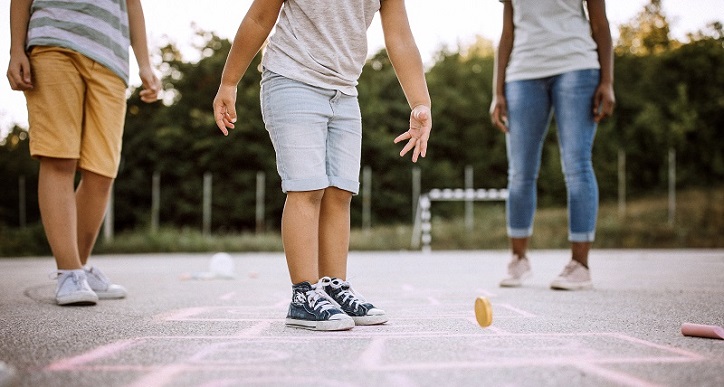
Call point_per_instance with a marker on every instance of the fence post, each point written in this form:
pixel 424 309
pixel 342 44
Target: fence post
pixel 366 199
pixel 260 193
pixel 155 200
pixel 469 198
pixel 206 222
pixel 21 201
pixel 672 186
pixel 425 224
pixel 621 183
pixel 416 187
pixel 108 220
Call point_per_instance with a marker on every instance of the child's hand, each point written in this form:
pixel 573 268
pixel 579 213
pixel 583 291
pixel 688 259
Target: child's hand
pixel 19 72
pixel 419 132
pixel 151 86
pixel 224 108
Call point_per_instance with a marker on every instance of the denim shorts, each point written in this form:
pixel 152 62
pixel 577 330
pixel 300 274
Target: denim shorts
pixel 316 134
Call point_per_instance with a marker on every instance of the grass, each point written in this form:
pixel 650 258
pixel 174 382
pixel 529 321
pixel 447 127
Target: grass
pixel 699 223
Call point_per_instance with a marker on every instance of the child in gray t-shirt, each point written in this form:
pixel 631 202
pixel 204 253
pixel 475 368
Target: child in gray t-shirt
pixel 310 109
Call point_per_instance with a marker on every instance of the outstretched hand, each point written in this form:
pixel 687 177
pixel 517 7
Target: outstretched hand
pixel 418 134
pixel 225 108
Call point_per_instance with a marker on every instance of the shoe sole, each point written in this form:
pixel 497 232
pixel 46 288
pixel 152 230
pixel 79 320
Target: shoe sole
pixel 369 320
pixel 77 301
pixel 506 283
pixel 483 312
pixel 331 325
pixel 110 295
pixel 582 286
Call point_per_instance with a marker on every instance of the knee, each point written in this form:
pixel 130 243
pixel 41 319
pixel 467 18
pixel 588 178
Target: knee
pixel 519 177
pixel 338 197
pixel 99 183
pixel 59 166
pixel 306 198
pixel 580 170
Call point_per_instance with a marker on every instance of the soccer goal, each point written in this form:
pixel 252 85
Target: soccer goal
pixel 422 228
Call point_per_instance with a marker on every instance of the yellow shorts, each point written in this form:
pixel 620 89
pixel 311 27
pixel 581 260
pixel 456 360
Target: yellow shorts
pixel 76 110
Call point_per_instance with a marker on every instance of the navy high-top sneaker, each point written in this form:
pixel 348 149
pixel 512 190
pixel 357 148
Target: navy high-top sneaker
pixel 352 303
pixel 311 308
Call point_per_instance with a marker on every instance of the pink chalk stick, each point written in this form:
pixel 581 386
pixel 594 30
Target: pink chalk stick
pixel 699 330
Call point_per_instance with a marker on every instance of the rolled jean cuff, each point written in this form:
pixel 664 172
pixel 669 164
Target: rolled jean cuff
pixel 520 232
pixel 582 236
pixel 345 184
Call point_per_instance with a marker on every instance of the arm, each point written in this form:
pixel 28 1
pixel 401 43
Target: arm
pixel 405 58
pixel 604 99
pixel 137 27
pixel 19 67
pixel 253 31
pixel 499 107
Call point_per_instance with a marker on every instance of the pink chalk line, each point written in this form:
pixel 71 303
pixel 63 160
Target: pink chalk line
pixel 96 354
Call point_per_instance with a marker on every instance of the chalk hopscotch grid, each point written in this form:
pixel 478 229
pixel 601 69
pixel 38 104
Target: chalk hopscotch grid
pixel 254 348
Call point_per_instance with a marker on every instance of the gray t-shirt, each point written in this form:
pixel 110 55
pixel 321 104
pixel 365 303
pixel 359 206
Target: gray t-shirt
pixel 321 42
pixel 551 37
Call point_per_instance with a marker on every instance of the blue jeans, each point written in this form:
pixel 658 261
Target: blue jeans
pixel 531 104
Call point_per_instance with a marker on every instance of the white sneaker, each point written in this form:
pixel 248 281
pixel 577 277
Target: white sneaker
pixel 574 277
pixel 73 288
pixel 102 286
pixel 518 271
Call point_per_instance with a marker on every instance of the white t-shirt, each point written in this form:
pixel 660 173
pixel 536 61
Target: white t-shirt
pixel 322 43
pixel 550 37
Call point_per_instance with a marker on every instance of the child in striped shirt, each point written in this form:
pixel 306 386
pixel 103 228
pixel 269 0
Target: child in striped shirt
pixel 70 58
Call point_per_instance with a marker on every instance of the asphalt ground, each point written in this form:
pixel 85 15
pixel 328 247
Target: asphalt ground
pixel 176 331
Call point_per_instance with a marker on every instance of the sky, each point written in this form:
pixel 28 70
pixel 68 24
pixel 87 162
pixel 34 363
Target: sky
pixel 435 24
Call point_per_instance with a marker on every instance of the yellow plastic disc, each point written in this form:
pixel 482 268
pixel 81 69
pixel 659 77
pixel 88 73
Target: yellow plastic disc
pixel 483 312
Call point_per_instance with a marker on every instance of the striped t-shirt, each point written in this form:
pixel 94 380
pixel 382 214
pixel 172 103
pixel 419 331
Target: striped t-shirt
pixel 97 29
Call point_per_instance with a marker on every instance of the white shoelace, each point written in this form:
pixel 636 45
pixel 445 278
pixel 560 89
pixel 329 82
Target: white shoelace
pixel 97 273
pixel 570 268
pixel 518 266
pixel 57 273
pixel 74 276
pixel 347 293
pixel 317 298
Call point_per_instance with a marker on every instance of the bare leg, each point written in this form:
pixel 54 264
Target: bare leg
pixel 579 252
pixel 519 246
pixel 300 234
pixel 91 198
pixel 334 229
pixel 56 200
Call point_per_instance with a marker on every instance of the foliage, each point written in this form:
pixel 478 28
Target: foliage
pixel 647 33
pixel 698 224
pixel 670 95
pixel 18 172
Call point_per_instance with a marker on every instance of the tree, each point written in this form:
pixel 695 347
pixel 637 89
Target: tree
pixel 647 33
pixel 16 165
